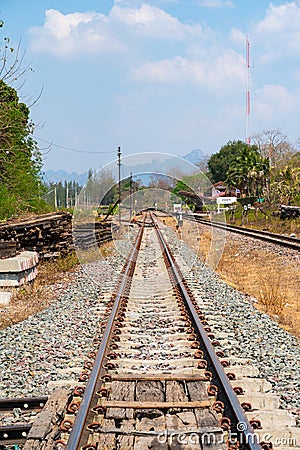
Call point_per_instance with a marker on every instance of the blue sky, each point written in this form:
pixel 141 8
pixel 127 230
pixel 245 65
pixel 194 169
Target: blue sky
pixel 154 76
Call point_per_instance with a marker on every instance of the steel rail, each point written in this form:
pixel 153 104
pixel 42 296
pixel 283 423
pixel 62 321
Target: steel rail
pixel 286 241
pixel 77 433
pixel 227 389
pixel 23 403
pixel 14 434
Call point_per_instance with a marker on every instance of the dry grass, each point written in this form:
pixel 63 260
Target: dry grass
pixel 271 281
pixel 29 299
pixel 272 295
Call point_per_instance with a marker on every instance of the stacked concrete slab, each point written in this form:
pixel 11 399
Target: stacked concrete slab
pixel 19 269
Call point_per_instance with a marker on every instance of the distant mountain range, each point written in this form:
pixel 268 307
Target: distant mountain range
pixel 56 176
pixel 195 156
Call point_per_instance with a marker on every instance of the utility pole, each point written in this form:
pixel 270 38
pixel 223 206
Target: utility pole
pixel 119 184
pixel 55 197
pixel 130 197
pixel 248 107
pixel 67 195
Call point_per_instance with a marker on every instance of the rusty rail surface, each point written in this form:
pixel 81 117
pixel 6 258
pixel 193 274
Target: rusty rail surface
pixel 273 238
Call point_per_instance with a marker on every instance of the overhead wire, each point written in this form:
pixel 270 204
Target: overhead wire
pixel 69 148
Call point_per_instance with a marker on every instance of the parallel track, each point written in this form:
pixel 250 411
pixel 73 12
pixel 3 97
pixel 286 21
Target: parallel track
pixel 278 239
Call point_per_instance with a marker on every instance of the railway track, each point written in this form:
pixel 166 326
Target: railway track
pixel 159 378
pixel 279 239
pixel 18 409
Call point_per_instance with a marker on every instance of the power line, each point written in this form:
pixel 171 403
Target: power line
pixel 69 148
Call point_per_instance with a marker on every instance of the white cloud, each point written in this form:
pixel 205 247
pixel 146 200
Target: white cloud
pixel 280 19
pixel 153 22
pixel 273 100
pixel 216 3
pixel 95 32
pixel 227 69
pixel 238 36
pixel 279 31
pixel 74 33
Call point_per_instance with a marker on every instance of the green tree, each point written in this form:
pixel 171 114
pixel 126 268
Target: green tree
pixel 285 184
pixel 219 163
pixel 21 185
pixel 248 171
pixel 20 160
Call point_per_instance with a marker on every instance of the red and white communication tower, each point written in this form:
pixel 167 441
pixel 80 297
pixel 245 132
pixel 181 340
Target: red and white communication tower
pixel 248 107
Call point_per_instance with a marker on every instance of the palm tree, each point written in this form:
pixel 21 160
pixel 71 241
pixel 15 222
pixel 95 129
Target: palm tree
pixel 248 171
